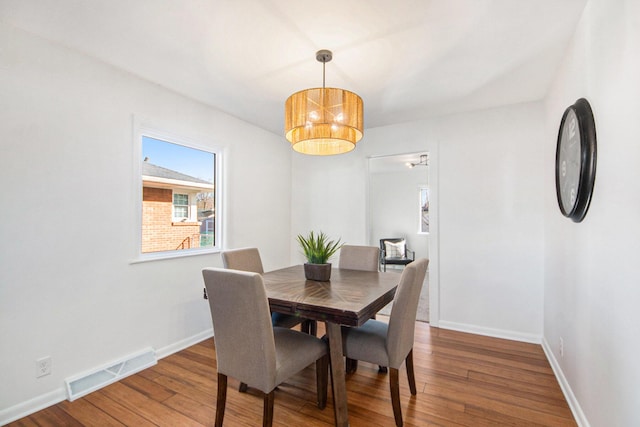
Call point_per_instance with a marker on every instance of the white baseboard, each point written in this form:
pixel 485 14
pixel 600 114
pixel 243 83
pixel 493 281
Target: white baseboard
pixel 575 407
pixel 56 396
pixel 182 344
pixel 33 405
pixel 490 332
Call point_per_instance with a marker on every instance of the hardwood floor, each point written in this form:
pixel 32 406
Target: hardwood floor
pixel 462 380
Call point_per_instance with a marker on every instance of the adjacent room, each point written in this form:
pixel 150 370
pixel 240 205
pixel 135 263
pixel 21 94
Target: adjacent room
pixel 144 141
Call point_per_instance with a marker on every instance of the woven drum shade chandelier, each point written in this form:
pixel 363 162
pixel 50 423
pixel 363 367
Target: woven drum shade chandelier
pixel 323 121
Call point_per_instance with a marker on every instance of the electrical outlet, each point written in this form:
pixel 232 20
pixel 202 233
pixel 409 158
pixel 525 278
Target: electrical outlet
pixel 561 347
pixel 43 366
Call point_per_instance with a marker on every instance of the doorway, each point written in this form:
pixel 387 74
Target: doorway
pixel 400 205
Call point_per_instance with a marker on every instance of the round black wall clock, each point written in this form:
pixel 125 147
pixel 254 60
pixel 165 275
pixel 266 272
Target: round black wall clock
pixel 576 160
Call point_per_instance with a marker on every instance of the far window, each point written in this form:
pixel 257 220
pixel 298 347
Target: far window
pixel 180 209
pixel 181 205
pixel 424 210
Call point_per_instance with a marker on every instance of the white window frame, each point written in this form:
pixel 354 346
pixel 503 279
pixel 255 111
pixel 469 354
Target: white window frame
pixel 188 205
pixel 152 130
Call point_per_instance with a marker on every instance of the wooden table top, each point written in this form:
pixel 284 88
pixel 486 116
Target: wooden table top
pixel 350 298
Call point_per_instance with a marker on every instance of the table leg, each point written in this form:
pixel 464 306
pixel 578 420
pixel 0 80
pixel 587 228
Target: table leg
pixel 334 334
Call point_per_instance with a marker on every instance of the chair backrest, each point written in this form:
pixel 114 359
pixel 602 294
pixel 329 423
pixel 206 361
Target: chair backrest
pixel 402 321
pixel 393 247
pixel 247 259
pixel 245 346
pixel 359 257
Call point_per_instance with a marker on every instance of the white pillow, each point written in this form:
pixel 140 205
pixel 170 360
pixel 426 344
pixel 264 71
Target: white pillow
pixel 394 250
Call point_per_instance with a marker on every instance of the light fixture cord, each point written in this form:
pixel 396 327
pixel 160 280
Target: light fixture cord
pixel 324 63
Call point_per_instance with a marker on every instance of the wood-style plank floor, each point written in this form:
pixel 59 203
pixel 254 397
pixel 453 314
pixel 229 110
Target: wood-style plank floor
pixel 462 380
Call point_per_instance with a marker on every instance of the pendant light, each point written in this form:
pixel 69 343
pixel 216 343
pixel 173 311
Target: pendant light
pixel 323 121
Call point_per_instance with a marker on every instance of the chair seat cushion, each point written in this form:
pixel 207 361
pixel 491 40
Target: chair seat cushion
pixel 367 342
pixel 399 261
pixel 294 352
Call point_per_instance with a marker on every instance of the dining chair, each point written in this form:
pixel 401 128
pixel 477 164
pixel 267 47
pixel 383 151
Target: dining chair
pixel 247 345
pixel 364 258
pixel 248 259
pixel 391 344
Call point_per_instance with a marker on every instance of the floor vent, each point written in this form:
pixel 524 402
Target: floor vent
pixel 80 385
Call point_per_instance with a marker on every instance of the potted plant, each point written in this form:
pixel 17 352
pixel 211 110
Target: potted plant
pixel 317 248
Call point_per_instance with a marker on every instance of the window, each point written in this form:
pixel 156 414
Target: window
pixel 179 197
pixel 424 210
pixel 180 206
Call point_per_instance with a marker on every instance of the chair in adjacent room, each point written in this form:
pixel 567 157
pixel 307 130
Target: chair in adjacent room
pixel 391 344
pixel 394 251
pixel 249 348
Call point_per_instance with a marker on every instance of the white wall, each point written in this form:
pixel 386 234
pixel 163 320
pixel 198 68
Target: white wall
pixel 67 288
pixel 394 206
pixel 591 269
pixel 328 194
pixel 489 177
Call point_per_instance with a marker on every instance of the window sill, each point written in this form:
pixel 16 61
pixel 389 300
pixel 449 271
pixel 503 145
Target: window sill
pixel 157 256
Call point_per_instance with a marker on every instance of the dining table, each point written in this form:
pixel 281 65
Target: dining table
pixel 349 298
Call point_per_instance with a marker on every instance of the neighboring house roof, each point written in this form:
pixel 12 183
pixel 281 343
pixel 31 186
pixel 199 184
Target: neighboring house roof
pixel 150 169
pixel 167 178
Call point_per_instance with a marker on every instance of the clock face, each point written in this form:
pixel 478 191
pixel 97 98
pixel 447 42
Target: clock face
pixel 569 162
pixel 576 160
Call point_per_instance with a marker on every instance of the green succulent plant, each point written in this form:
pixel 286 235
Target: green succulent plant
pixel 317 248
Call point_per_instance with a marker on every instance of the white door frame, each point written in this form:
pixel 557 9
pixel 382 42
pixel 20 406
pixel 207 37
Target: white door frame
pixel 434 235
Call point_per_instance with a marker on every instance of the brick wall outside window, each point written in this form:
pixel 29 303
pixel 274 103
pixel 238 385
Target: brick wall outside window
pixel 159 232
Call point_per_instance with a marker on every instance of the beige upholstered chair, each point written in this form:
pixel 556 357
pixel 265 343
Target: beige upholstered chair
pixel 364 258
pixel 391 344
pixel 359 257
pixel 248 259
pixel 249 348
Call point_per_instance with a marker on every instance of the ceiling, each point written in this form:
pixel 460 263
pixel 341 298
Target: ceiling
pixel 407 59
